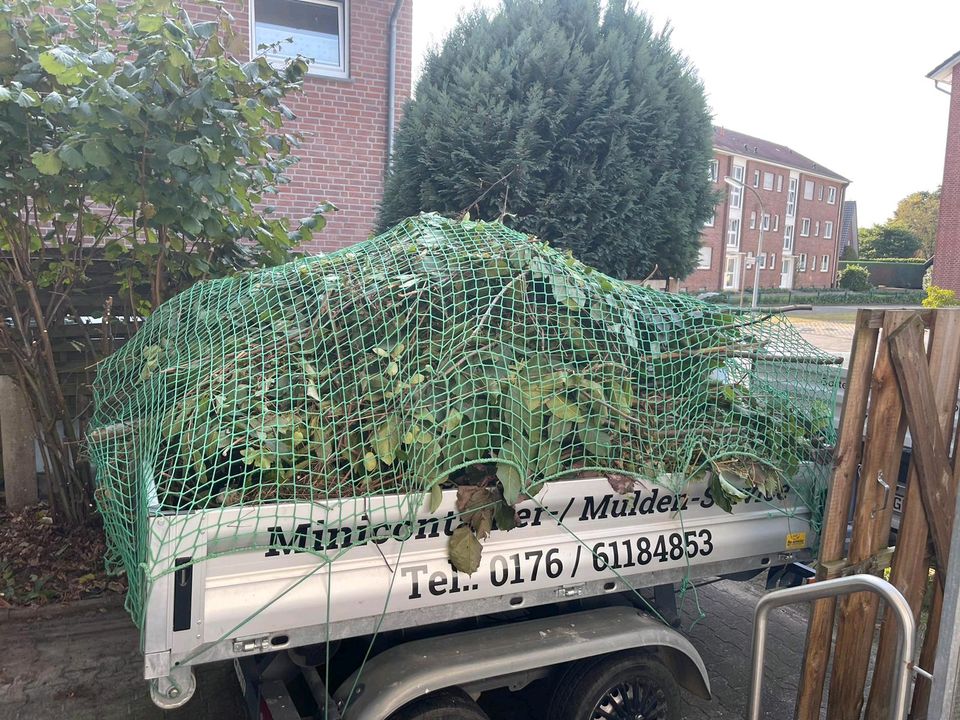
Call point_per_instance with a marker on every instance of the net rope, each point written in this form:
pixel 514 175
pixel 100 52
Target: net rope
pixel 443 353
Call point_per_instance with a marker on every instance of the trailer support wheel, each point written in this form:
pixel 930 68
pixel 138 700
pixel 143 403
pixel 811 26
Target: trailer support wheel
pixel 449 704
pixel 174 690
pixel 624 686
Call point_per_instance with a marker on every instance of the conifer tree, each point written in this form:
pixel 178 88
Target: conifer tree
pixel 584 127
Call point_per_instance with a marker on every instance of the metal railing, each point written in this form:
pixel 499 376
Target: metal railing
pixel 832 588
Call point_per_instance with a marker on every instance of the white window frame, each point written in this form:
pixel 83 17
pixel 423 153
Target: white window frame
pixel 804 227
pixel 763 261
pixel 767 186
pixel 756 178
pixel 779 183
pixel 736 191
pixel 711 221
pixel 776 222
pixel 788 239
pixel 820 193
pixel 766 221
pixel 811 186
pixel 733 232
pixel 816 229
pixel 753 220
pixel 825 264
pixel 773 261
pixel 802 263
pixel 705 252
pixel 831 195
pixel 792 198
pixel 343 70
pixel 713 170
pixel 828 229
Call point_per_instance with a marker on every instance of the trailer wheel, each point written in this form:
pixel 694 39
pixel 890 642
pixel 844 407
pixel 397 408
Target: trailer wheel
pixel 450 704
pixel 625 686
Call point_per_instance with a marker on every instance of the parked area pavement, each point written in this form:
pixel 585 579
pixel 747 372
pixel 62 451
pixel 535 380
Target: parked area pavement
pixel 81 662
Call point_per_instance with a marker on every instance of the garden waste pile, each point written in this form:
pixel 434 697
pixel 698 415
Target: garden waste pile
pixel 444 353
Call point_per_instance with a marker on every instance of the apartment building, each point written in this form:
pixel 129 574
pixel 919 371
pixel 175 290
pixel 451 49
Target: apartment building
pixel 343 111
pixel 946 259
pixel 795 202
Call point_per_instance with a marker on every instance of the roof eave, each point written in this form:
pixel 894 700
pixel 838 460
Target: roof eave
pixel 943 73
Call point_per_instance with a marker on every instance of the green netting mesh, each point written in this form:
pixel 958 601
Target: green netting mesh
pixel 441 352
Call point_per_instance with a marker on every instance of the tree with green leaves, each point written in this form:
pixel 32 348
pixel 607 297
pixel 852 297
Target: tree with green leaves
pixel 887 241
pixel 584 127
pixel 129 139
pixel 919 213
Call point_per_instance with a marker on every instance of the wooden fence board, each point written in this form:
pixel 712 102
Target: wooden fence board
pixel 834 531
pixel 886 427
pixel 909 567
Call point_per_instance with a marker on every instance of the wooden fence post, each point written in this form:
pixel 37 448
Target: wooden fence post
pixel 19 446
pixel 908 572
pixel 834 531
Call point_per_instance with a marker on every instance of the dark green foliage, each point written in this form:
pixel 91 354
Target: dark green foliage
pixel 887 241
pixel 584 128
pixel 856 278
pixel 129 137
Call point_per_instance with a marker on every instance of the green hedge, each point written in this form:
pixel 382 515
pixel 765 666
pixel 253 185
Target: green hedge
pixel 890 260
pixel 824 296
pixel 903 273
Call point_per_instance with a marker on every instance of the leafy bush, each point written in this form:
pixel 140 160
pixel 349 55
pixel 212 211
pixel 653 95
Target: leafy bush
pixel 927 278
pixel 938 297
pixel 855 277
pixel 909 260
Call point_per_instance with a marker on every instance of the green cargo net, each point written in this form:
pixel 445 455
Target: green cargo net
pixel 442 353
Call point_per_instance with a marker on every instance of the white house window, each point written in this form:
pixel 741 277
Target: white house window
pixel 820 193
pixel 733 233
pixel 753 221
pixel 779 183
pixel 825 263
pixel 788 239
pixel 763 261
pixel 768 181
pixel 805 227
pixel 714 170
pixel 773 261
pixel 766 221
pixel 706 257
pixel 736 192
pixel 802 262
pixel 816 229
pixel 832 195
pixel 808 186
pixel 711 220
pixel 314 29
pixel 792 198
pixel 828 229
pixel 756 178
pixel 776 223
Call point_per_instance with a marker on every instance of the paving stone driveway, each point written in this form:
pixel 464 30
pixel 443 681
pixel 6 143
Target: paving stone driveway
pixel 83 663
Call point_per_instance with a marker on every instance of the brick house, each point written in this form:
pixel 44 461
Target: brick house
pixel 342 111
pixel 946 261
pixel 801 218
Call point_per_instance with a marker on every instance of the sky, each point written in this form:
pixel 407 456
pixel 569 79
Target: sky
pixel 842 82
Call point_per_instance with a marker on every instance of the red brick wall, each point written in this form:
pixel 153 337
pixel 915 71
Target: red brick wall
pixel 344 123
pixel 819 211
pixel 946 266
pixel 774 204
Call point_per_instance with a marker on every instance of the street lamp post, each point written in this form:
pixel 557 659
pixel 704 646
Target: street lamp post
pixel 756 261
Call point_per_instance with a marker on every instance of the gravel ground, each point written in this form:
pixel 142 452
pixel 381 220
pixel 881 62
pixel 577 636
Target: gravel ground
pixel 82 662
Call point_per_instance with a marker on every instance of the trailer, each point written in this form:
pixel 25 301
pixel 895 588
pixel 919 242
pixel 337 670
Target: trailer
pixel 369 620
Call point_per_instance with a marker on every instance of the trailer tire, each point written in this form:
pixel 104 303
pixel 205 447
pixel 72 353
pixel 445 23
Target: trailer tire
pixel 623 686
pixel 449 704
